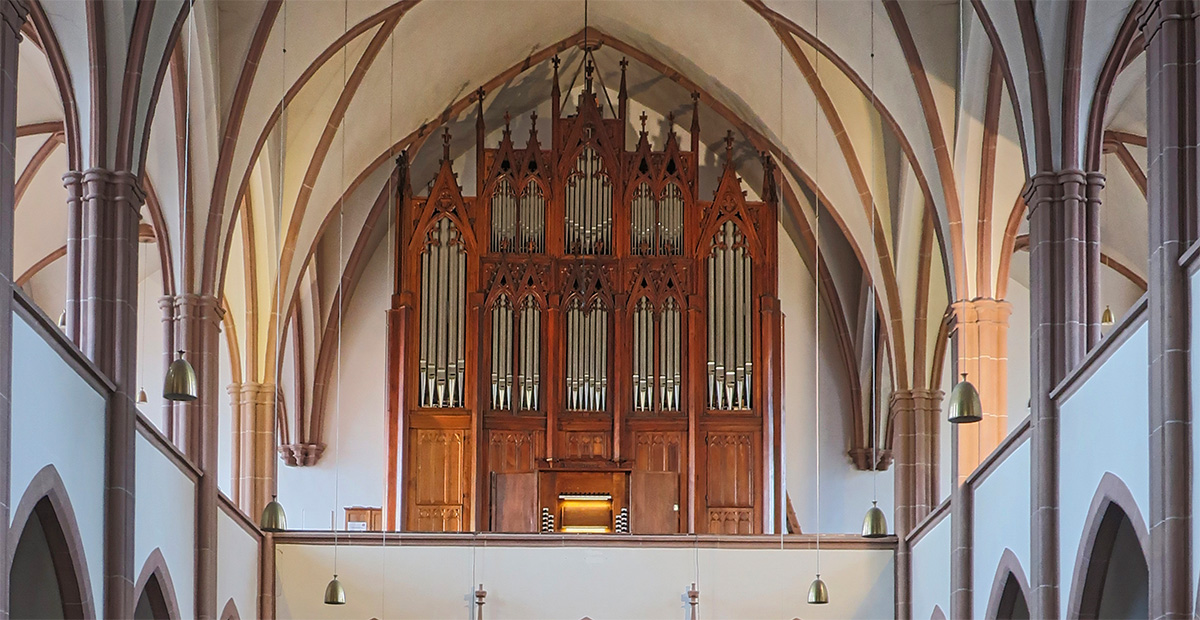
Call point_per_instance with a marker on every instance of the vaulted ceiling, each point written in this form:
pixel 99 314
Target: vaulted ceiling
pixel 286 117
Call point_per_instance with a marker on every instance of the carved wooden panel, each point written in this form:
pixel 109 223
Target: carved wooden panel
pixel 654 502
pixel 514 502
pixel 659 451
pixel 514 451
pixel 730 465
pixel 439 483
pixel 586 445
pixel 439 518
pixel 730 520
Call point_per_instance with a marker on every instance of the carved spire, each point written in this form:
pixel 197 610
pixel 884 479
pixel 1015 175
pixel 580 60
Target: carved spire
pixel 642 118
pixel 588 69
pixel 729 146
pixel 623 96
pixel 480 134
pixel 695 122
pixel 507 120
pixel 555 94
pixel 446 144
pixel 532 128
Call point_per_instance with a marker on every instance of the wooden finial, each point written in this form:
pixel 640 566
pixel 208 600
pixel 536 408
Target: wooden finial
pixel 729 143
pixel 446 144
pixel 671 120
pixel 624 63
pixel 507 120
pixel 643 119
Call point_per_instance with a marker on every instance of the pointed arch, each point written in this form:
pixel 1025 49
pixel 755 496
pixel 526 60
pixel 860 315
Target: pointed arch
pixel 937 614
pixel 230 611
pixel 1010 589
pixel 46 501
pixel 1112 506
pixel 155 589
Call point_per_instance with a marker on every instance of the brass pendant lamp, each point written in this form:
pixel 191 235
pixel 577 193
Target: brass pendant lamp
pixel 141 396
pixel 335 594
pixel 874 522
pixel 818 592
pixel 180 383
pixel 273 518
pixel 965 407
pixel 62 320
pixel 1106 317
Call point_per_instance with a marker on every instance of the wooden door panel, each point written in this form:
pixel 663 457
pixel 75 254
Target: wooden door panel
pixel 514 502
pixel 654 505
pixel 439 462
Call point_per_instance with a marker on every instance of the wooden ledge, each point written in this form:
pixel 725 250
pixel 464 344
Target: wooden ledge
pixel 679 541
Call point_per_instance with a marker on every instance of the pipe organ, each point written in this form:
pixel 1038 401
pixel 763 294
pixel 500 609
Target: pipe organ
pixel 586 340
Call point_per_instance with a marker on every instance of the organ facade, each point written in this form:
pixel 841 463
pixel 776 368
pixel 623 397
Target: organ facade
pixel 586 344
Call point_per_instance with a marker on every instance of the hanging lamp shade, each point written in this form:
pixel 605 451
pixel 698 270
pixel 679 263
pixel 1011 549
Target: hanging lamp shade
pixel 964 403
pixel 180 383
pixel 62 320
pixel 273 519
pixel 141 397
pixel 874 523
pixel 818 593
pixel 1106 318
pixel 335 594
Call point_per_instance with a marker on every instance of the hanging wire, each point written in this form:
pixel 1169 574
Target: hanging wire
pixel 871 296
pixel 817 281
pixel 279 217
pixel 392 259
pixel 337 411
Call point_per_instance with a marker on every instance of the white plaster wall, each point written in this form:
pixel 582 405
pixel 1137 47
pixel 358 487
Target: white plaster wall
pixel 58 419
pixel 237 566
pixel 353 465
pixel 573 582
pixel 1018 354
pixel 165 519
pixel 150 363
pixel 931 571
pixel 1001 522
pixel 846 492
pixel 1103 427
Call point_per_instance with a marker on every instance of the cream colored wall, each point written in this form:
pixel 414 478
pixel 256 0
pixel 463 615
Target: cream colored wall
pixel 237 566
pixel 58 419
pixel 165 519
pixel 572 582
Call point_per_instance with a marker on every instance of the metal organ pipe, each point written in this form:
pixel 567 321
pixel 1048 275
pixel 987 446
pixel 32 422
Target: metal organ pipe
pixel 730 308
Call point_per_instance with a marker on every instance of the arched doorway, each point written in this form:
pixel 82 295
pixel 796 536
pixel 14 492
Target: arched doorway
pixel 47 571
pixel 1009 599
pixel 152 604
pixel 34 583
pixel 1111 575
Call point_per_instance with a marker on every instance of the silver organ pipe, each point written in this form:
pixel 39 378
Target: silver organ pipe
pixel 642 222
pixel 504 217
pixel 587 357
pixel 670 223
pixel 588 214
pixel 532 214
pixel 502 350
pixel 442 363
pixel 669 373
pixel 529 353
pixel 730 371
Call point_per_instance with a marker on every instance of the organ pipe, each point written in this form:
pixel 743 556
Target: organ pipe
pixel 442 360
pixel 730 370
pixel 587 357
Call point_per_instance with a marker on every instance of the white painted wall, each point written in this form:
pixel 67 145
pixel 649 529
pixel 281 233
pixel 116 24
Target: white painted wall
pixel 237 566
pixel 58 418
pixel 1018 353
pixel 1103 427
pixel 573 582
pixel 353 465
pixel 165 519
pixel 931 571
pixel 1001 522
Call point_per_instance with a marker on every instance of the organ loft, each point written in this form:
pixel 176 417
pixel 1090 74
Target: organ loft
pixel 586 344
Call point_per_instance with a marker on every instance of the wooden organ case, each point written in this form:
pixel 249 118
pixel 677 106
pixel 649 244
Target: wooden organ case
pixel 586 345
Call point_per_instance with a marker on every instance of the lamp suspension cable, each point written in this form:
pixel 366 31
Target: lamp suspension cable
pixel 393 253
pixel 335 594
pixel 818 593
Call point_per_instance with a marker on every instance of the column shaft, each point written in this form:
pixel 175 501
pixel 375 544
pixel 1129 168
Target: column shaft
pixel 982 336
pixel 12 16
pixel 915 414
pixel 254 445
pixel 1172 190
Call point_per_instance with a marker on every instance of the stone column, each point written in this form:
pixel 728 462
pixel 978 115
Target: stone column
pixel 12 16
pixel 915 414
pixel 102 318
pixel 1064 273
pixel 981 332
pixel 253 407
pixel 1170 28
pixel 197 332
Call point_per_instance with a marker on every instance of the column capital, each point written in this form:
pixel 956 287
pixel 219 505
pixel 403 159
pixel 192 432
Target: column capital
pixel 919 399
pixel 301 454
pixel 13 14
pixel 193 306
pixel 981 310
pixel 118 186
pixel 1156 12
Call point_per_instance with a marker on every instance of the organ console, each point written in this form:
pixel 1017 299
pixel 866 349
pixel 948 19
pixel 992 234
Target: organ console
pixel 587 344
